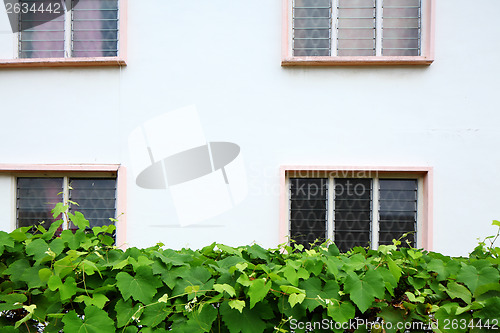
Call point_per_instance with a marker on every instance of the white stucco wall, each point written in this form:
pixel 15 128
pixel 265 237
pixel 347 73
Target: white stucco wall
pixel 224 57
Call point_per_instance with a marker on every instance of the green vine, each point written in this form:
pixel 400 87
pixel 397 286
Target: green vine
pixel 80 282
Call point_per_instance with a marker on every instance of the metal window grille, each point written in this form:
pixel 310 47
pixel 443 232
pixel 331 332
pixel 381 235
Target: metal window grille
pixel 96 199
pixel 308 210
pixel 397 210
pixel 356 27
pixel 95 28
pixel 365 211
pixel 35 198
pixel 356 32
pixel 312 27
pixel 353 213
pixel 401 28
pixel 87 28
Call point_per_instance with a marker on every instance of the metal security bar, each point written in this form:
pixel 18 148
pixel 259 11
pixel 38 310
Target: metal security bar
pixel 35 198
pixel 87 28
pixel 96 199
pixel 401 28
pixel 95 28
pixel 39 37
pixel 356 27
pixel 312 27
pixel 397 210
pixel 352 213
pixel 356 31
pixel 308 210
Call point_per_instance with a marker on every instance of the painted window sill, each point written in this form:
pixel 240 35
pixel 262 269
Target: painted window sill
pixel 63 62
pixel 355 61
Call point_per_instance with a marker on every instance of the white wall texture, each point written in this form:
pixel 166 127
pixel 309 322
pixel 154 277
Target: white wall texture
pixel 224 57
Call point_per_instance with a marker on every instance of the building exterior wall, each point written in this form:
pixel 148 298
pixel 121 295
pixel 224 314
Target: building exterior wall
pixel 224 58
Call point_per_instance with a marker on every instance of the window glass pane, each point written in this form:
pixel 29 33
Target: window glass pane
pixel 308 209
pixel 36 197
pixel 41 36
pixel 95 28
pixel 311 27
pixel 397 210
pixel 401 28
pixel 352 217
pixel 356 28
pixel 96 199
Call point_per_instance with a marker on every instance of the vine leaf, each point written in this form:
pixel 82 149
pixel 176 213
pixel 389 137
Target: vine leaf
pixel 38 249
pixel 141 287
pixel 341 312
pixel 126 312
pixel 154 314
pixel 94 321
pixel 315 292
pixel 363 291
pixel 98 300
pixel 472 278
pixel 225 287
pixel 258 290
pixel 79 220
pixel 248 321
pixel 296 298
pixel 456 290
pixel 68 289
pixel 30 309
pixel 5 240
pixel 203 317
pixel 236 304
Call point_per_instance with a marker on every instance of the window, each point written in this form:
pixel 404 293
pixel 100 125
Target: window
pixel 87 28
pixel 37 196
pixel 357 207
pixel 322 32
pixel 67 33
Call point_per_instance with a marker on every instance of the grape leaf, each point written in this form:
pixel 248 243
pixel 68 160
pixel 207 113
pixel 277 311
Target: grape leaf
pixel 258 290
pixel 94 321
pixel 293 299
pixel 363 291
pixel 5 240
pixel 79 220
pixel 225 287
pixel 248 321
pixel 456 290
pixel 237 304
pixel 67 289
pixel 126 312
pixel 314 289
pixel 472 278
pixel 341 312
pixel 154 314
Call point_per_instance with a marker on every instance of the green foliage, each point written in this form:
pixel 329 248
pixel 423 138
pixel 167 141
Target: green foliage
pixel 80 282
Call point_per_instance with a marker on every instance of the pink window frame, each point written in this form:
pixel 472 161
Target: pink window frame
pixel 287 59
pixel 425 235
pixel 120 60
pixel 68 169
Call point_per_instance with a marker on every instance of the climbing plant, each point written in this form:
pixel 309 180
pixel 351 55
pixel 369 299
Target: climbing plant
pixel 80 282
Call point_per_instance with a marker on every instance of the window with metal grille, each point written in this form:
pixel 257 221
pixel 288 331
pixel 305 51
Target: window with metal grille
pixel 356 27
pixel 37 196
pixel 86 28
pixel 353 211
pixel 322 31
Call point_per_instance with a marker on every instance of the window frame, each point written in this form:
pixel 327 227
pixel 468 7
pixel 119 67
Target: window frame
pixel 427 45
pixel 118 61
pixel 424 175
pixel 77 171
